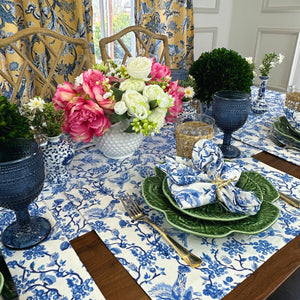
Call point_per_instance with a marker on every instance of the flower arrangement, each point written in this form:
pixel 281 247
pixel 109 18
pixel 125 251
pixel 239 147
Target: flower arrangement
pixel 270 60
pixel 43 117
pixel 105 94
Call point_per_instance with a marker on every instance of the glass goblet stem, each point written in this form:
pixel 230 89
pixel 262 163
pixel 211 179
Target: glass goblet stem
pixel 23 217
pixel 226 138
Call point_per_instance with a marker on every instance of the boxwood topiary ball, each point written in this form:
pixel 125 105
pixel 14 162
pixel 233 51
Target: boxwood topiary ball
pixel 220 69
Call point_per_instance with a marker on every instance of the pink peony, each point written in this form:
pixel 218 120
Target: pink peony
pixel 84 118
pixel 177 92
pixel 159 71
pixel 174 111
pixel 92 83
pixel 106 104
pixel 65 92
pixel 113 80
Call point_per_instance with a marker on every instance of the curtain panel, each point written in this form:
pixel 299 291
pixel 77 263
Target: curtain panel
pixel 173 18
pixel 69 17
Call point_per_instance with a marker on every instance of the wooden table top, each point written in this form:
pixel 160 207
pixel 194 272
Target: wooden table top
pixel 115 282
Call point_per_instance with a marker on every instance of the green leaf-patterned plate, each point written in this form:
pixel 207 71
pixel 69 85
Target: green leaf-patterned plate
pixel 294 131
pixel 284 134
pixel 249 181
pixel 155 198
pixel 1 282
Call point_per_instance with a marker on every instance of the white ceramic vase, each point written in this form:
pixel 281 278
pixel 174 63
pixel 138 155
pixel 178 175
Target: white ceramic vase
pixel 117 144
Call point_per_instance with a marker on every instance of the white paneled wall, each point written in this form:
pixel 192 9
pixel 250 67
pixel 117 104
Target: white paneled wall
pixel 212 24
pixel 285 42
pixel 252 28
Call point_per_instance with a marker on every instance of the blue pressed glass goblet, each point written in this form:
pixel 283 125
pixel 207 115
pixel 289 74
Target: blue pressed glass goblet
pixel 21 181
pixel 230 110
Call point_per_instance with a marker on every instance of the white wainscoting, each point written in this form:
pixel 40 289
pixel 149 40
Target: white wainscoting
pixel 280 6
pixel 205 40
pixel 286 42
pixel 206 6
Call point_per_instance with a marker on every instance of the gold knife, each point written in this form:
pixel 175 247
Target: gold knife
pixel 293 201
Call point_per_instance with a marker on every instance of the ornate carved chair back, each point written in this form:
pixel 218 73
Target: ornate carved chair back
pixel 34 60
pixel 148 44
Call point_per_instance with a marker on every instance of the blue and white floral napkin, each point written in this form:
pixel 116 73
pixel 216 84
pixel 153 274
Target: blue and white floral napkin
pixel 293 117
pixel 206 179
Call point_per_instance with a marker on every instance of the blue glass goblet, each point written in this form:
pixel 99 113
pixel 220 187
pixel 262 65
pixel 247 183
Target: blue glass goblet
pixel 21 181
pixel 230 110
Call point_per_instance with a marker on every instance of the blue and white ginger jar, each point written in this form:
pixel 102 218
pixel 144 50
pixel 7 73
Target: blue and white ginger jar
pixel 58 154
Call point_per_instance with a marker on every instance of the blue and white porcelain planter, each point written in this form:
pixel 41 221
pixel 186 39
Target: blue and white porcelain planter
pixel 259 104
pixel 58 154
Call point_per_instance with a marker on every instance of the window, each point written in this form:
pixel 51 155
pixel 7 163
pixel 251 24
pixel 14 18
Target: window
pixel 111 16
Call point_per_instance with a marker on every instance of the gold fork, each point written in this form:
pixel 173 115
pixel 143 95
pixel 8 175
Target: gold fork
pixel 136 213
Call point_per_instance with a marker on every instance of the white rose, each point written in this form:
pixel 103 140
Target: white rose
pixel 165 101
pixel 136 103
pixel 139 67
pixel 153 92
pixel 141 112
pixel 120 108
pixel 132 84
pixel 158 116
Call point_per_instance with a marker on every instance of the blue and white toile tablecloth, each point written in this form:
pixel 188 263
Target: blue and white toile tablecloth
pixel 258 128
pixel 90 200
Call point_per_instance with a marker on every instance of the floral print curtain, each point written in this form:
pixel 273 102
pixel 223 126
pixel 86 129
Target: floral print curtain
pixel 175 19
pixel 69 17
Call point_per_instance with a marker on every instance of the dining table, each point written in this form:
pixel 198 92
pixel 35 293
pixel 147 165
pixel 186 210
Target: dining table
pixel 96 251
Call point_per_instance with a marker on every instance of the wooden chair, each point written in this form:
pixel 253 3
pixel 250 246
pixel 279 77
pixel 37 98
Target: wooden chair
pixel 38 60
pixel 148 44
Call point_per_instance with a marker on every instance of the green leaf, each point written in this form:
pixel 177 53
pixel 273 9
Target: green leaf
pixel 153 104
pixel 129 129
pixel 118 93
pixel 114 118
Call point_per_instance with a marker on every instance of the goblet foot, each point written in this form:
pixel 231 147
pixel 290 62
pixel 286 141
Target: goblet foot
pixel 19 237
pixel 229 151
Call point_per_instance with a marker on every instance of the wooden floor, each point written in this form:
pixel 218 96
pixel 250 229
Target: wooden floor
pixel 115 282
